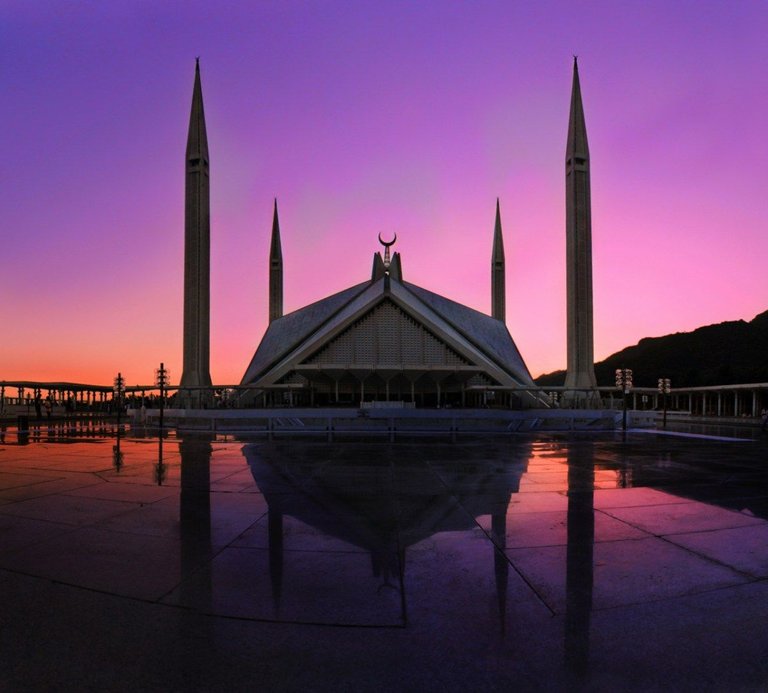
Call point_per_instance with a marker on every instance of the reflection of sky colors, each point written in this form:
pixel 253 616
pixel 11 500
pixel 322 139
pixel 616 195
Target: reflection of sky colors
pixel 368 117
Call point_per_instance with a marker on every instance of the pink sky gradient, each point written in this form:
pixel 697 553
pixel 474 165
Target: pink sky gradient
pixel 364 117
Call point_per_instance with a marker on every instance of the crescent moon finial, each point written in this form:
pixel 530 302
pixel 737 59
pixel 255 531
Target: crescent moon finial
pixel 386 244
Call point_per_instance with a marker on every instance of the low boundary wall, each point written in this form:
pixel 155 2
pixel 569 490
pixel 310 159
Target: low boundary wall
pixel 390 421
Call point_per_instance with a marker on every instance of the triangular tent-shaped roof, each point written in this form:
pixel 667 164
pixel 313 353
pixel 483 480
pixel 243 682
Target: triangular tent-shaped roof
pixel 388 326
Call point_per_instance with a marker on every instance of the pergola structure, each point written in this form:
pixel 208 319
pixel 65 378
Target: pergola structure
pixel 21 392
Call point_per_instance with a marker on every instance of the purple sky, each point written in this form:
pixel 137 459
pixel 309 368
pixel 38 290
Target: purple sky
pixel 364 117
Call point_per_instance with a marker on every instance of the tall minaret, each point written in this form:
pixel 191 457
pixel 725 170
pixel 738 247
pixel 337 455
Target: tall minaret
pixel 275 271
pixel 197 245
pixel 498 287
pixel 578 238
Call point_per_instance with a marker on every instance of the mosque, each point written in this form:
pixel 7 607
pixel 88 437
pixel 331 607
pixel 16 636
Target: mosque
pixel 386 341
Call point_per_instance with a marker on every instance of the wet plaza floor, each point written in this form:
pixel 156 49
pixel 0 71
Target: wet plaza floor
pixel 489 563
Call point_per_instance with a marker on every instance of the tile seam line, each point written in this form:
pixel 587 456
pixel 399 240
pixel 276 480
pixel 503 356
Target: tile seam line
pixel 494 544
pixel 713 561
pixel 663 537
pixel 207 563
pixel 181 607
pixel 721 588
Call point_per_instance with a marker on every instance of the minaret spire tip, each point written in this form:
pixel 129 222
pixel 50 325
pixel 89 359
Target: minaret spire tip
pixel 275 270
pixel 577 145
pixel 498 270
pixel 275 230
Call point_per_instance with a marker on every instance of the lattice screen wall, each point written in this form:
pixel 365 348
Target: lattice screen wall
pixel 387 336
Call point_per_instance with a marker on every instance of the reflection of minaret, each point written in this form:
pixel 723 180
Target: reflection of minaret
pixel 578 238
pixel 275 537
pixel 579 562
pixel 195 634
pixel 500 563
pixel 498 303
pixel 195 501
pixel 197 243
pixel 275 271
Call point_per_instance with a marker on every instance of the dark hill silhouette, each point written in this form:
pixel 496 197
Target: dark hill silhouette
pixel 724 354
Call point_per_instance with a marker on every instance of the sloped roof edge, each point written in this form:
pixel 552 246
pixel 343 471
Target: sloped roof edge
pixel 286 332
pixel 496 342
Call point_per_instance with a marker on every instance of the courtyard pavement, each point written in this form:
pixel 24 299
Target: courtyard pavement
pixel 541 563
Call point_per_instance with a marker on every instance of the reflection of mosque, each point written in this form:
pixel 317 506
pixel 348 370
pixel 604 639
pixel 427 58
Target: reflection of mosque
pixel 377 498
pixel 371 498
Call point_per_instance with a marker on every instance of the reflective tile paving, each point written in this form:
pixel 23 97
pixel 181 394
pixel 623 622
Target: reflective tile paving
pixel 495 563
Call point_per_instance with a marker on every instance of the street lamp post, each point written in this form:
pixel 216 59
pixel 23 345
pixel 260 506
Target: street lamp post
pixel 624 383
pixel 162 380
pixel 118 390
pixel 665 386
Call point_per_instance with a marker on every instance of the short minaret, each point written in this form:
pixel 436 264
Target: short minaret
pixel 498 285
pixel 197 243
pixel 275 271
pixel 578 238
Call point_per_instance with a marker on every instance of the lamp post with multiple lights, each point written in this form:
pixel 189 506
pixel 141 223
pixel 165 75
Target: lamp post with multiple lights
pixel 665 387
pixel 119 390
pixel 162 381
pixel 624 383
